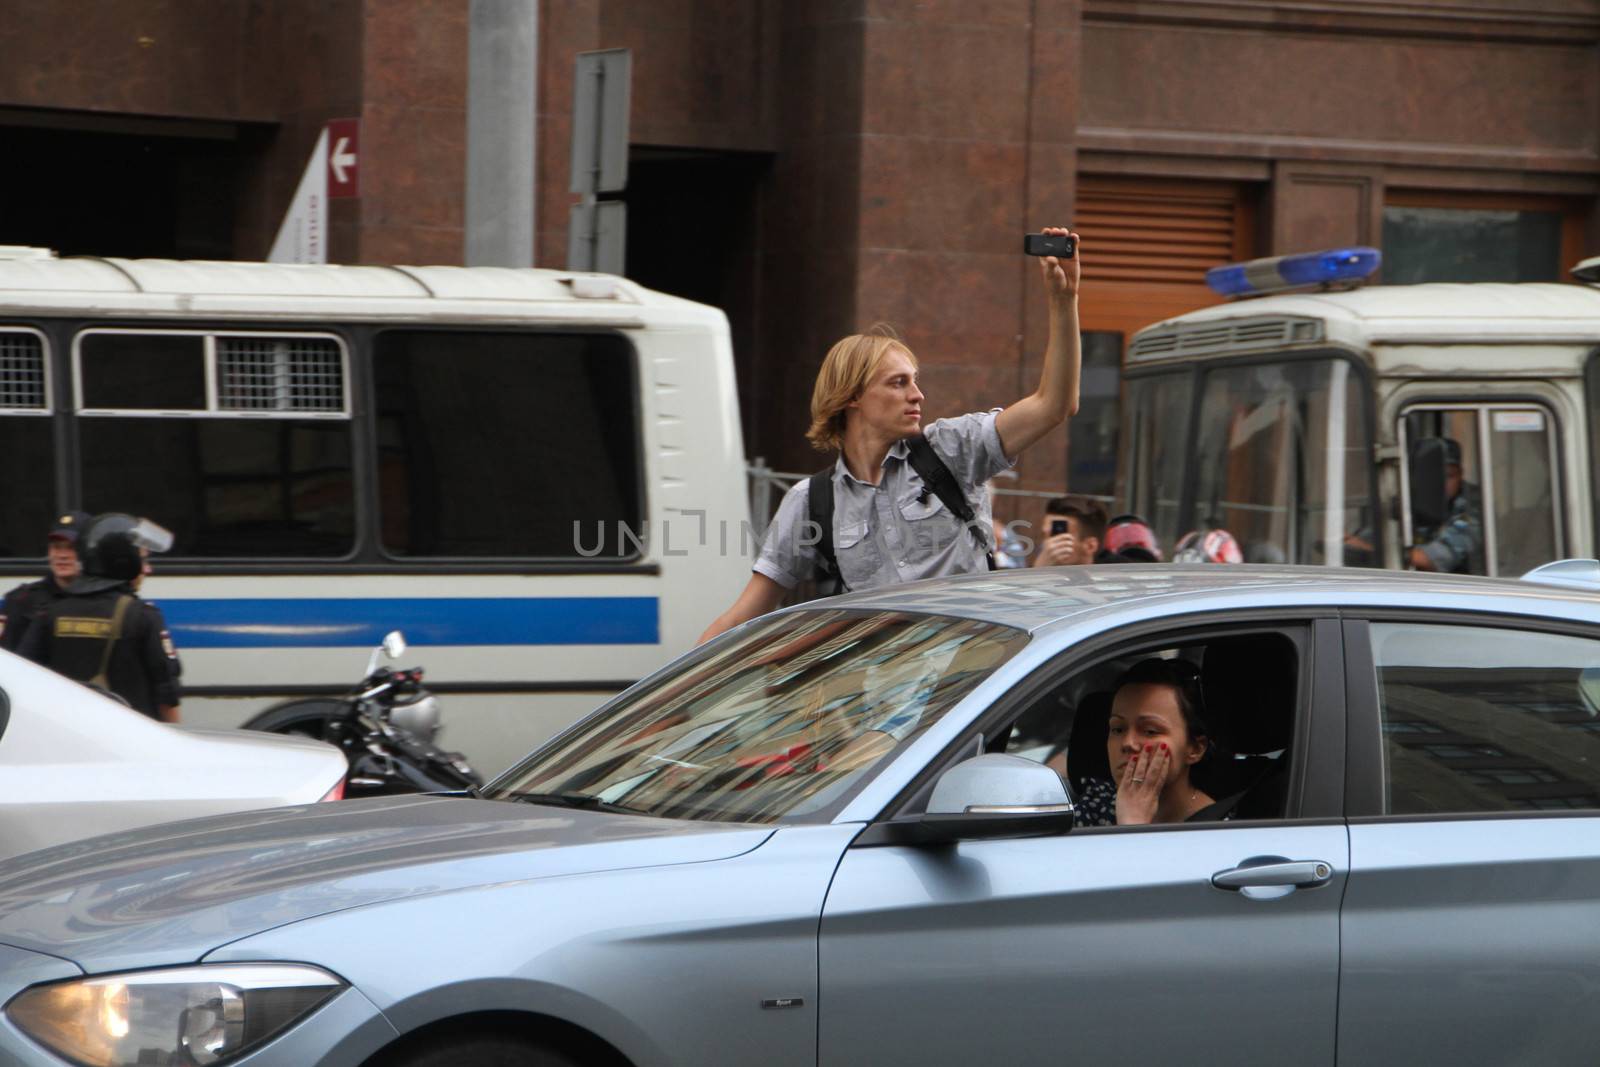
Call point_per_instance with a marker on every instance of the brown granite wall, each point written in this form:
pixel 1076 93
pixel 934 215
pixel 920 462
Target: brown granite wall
pixel 413 132
pixel 911 140
pixel 967 143
pixel 156 57
pixel 810 247
pixel 1328 107
pixel 566 27
pixel 303 66
pixel 704 72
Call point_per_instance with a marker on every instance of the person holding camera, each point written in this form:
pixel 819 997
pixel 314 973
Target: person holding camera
pixel 1076 527
pixel 902 502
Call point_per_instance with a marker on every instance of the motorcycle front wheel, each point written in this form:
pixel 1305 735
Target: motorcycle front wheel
pixel 307 718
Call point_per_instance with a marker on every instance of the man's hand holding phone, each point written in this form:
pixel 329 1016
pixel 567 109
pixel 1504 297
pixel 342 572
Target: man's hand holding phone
pixel 1061 547
pixel 1057 249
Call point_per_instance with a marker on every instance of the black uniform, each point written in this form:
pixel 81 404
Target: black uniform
pixel 20 607
pixel 112 639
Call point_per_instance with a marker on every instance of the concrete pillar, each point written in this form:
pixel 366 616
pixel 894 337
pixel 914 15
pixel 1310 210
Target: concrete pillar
pixel 502 70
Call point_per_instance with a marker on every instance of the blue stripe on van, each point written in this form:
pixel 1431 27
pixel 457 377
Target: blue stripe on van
pixel 327 623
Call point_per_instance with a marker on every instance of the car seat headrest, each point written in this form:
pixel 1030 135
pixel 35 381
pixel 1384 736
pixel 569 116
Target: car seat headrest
pixel 1250 694
pixel 1086 744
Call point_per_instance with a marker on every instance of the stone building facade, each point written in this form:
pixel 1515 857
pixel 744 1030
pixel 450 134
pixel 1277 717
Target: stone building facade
pixel 816 166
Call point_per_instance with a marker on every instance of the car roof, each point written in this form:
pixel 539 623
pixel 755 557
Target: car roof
pixel 1035 599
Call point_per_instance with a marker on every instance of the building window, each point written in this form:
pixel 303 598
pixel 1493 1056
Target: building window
pixel 511 445
pixel 1445 238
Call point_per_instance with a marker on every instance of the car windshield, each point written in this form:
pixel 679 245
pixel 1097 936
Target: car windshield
pixel 779 721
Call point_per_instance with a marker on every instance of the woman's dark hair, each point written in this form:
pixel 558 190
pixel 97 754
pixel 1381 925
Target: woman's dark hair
pixel 1184 678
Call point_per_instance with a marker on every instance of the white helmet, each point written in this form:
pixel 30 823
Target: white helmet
pixel 418 717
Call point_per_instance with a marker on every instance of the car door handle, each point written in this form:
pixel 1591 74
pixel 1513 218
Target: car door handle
pixel 1282 874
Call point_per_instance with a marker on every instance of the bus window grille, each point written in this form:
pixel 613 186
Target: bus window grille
pixel 279 374
pixel 21 373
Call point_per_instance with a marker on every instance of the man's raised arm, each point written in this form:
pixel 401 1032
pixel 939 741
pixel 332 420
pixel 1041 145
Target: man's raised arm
pixel 1035 415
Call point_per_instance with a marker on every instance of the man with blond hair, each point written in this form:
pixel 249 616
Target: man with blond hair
pixel 889 523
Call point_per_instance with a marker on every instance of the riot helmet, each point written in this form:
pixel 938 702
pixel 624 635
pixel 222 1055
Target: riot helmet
pixel 1214 545
pixel 1131 537
pixel 109 548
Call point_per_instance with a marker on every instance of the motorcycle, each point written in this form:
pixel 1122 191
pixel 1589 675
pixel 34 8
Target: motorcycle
pixel 386 728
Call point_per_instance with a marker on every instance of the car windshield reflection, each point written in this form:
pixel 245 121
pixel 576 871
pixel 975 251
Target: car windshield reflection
pixel 782 720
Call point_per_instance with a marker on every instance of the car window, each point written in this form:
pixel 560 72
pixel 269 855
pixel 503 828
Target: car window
pixel 1487 719
pixel 1249 691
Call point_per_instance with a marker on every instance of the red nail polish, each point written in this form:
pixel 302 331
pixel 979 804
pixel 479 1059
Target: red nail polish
pixel 1163 746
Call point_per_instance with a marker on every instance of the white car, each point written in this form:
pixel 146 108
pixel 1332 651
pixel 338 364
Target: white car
pixel 75 764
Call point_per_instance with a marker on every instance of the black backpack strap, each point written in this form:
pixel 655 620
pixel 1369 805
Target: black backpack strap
pixel 819 506
pixel 937 477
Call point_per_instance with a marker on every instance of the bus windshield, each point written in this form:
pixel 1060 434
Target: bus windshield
pixel 1278 454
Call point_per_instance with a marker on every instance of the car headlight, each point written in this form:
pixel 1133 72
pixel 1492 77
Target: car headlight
pixel 171 1018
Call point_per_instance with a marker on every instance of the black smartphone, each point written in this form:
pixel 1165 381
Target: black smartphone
pixel 1049 244
pixel 1058 526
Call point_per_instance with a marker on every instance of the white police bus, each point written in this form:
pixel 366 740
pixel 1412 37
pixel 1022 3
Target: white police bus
pixel 537 475
pixel 1290 419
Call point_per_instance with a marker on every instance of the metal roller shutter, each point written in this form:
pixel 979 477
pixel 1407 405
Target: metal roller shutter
pixel 1159 232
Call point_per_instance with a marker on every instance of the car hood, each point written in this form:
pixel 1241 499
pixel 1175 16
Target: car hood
pixel 255 739
pixel 169 894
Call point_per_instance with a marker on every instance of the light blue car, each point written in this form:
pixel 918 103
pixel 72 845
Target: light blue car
pixel 841 834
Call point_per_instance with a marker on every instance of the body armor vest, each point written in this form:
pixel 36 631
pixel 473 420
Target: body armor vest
pixel 85 631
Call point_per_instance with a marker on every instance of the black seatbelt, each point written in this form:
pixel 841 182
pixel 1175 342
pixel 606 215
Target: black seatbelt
pixel 936 477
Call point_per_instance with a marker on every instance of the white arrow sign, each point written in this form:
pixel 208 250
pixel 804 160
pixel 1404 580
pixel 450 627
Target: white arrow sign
pixel 342 157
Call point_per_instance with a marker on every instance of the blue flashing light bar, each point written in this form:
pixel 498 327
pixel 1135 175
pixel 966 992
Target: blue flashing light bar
pixel 1336 266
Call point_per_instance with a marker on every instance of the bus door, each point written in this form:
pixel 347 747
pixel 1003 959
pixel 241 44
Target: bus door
pixel 1502 507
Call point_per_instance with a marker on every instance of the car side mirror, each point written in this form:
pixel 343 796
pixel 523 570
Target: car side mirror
pixel 996 795
pixel 1425 481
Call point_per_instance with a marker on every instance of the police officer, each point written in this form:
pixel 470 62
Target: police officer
pixel 101 632
pixel 30 598
pixel 1456 545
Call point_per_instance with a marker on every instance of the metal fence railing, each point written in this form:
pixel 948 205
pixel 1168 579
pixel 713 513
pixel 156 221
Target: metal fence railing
pixel 767 487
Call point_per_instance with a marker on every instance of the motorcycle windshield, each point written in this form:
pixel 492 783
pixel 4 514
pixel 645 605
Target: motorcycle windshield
pixel 782 722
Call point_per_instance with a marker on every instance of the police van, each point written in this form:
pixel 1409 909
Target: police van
pixel 1316 426
pixel 537 475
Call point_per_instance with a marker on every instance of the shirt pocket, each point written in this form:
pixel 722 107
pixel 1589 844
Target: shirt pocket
pixel 929 527
pixel 856 553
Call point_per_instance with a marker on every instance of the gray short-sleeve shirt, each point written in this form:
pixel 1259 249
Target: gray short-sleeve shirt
pixel 894 531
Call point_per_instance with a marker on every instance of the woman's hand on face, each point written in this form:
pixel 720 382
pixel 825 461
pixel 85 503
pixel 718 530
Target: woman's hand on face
pixel 1139 792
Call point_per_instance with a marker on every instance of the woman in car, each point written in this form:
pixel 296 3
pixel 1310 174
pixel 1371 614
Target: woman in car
pixel 1155 737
